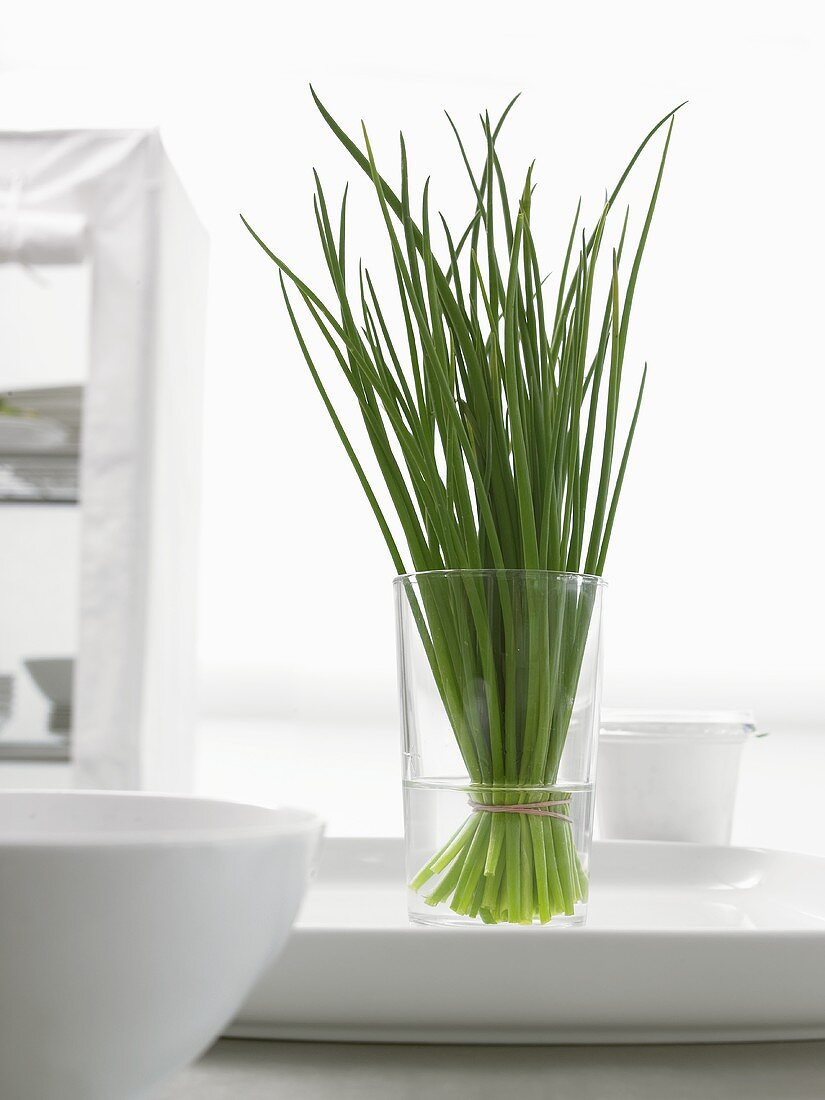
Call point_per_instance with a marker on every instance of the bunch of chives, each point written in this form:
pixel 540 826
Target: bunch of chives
pixel 493 419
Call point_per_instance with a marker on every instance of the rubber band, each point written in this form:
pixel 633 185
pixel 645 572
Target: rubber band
pixel 533 809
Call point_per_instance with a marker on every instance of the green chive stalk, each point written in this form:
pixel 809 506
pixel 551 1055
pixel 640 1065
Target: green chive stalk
pixel 491 406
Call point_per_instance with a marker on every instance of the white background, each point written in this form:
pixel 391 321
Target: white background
pixel 716 597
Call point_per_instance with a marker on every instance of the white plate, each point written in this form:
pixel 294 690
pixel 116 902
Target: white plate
pixel 683 944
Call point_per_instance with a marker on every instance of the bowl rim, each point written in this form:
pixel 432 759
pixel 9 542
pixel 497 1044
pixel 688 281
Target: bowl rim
pixel 282 822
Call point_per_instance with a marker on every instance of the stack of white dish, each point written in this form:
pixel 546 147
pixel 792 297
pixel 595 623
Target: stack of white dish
pixel 40 444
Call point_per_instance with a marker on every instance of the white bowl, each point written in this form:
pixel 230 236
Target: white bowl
pixel 132 927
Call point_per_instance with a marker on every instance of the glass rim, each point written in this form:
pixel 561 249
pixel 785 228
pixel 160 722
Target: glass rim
pixel 597 581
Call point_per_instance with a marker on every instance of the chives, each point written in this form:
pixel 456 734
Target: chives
pixel 493 418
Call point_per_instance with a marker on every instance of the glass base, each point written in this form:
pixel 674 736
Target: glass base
pixel 436 918
pixel 492 856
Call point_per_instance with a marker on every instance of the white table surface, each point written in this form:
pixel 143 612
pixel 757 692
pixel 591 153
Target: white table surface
pixel 241 1070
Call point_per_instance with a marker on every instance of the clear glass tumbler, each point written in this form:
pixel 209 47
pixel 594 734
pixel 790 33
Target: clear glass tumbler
pixel 499 674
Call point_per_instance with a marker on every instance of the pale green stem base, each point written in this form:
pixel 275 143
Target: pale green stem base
pixel 507 868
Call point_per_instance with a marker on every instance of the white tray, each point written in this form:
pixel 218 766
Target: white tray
pixel 683 944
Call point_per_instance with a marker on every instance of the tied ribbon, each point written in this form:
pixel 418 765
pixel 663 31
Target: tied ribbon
pixel 534 809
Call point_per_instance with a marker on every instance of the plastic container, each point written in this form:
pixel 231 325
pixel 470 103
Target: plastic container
pixel 500 679
pixel 670 775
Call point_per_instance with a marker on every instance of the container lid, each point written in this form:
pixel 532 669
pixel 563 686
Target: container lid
pixel 693 725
